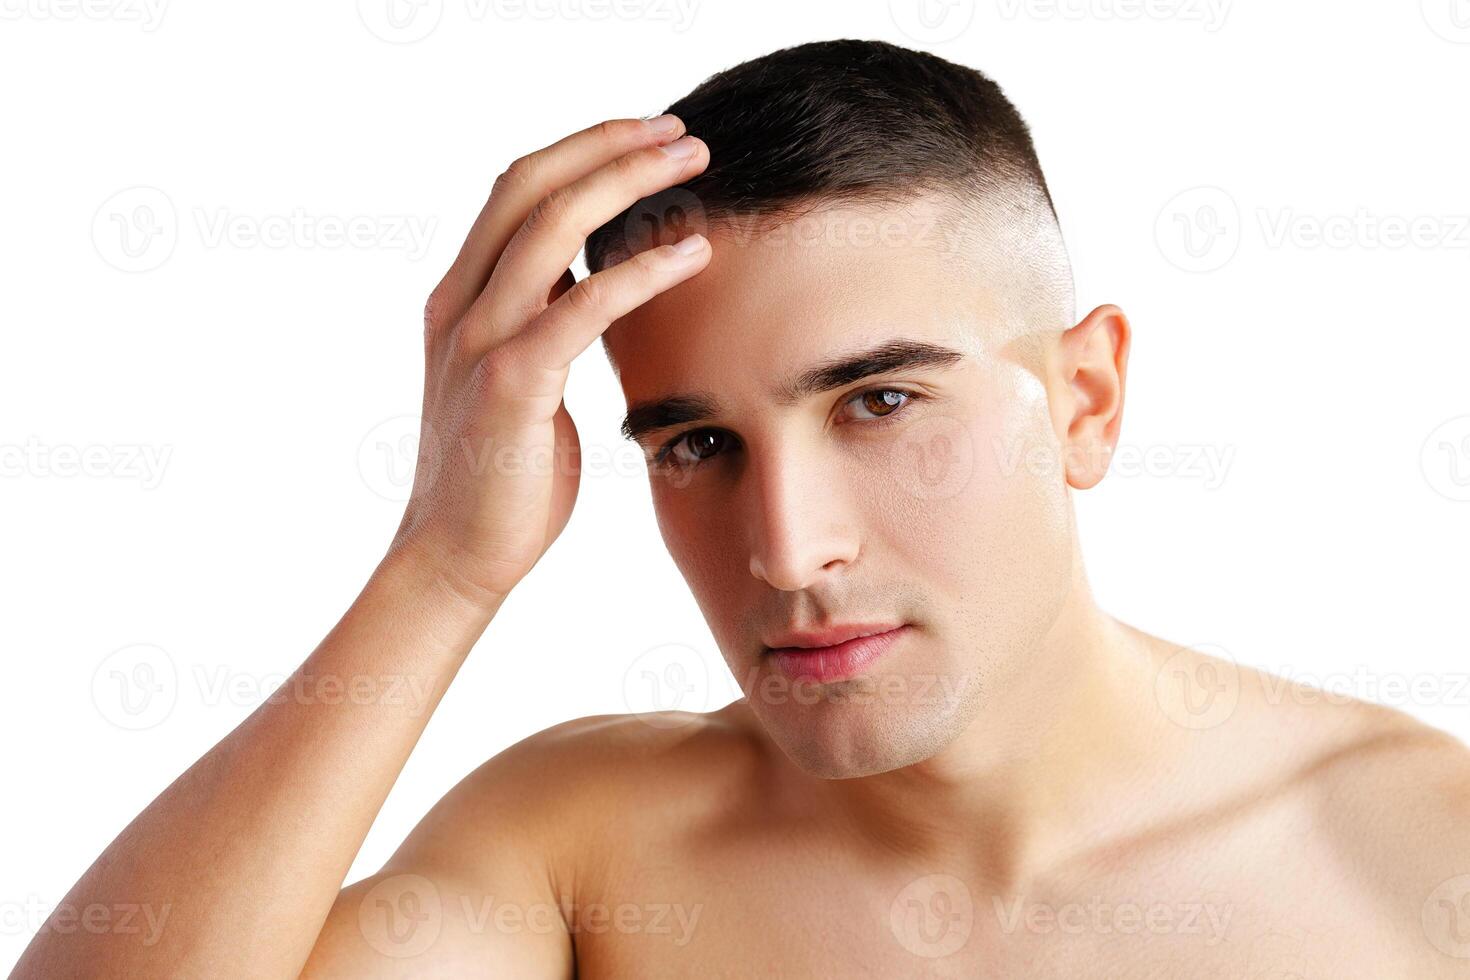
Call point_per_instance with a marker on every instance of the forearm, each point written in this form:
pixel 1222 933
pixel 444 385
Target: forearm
pixel 242 857
pixel 238 862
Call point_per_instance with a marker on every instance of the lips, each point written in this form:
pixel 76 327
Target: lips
pixel 836 653
pixel 830 636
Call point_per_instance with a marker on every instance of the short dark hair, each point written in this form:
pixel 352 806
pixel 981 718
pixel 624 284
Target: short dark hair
pixel 842 120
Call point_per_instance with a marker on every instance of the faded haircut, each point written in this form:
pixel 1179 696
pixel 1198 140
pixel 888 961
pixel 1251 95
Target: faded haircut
pixel 859 122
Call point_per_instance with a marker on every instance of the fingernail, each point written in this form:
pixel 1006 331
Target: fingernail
pixel 664 124
pixel 689 245
pixel 680 148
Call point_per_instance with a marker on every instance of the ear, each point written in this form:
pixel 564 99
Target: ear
pixel 1087 384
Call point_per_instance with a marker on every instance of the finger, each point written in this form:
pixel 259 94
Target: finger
pixel 557 228
pixel 550 343
pixel 527 180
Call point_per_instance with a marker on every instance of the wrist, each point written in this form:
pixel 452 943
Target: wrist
pixel 424 583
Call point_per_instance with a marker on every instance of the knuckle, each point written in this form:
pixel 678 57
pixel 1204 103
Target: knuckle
pixel 550 210
pixel 497 370
pixel 650 261
pixel 516 177
pixel 615 130
pixel 631 165
pixel 463 345
pixel 436 310
pixel 588 295
pixel 506 375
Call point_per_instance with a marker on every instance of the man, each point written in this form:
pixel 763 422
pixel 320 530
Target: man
pixel 833 287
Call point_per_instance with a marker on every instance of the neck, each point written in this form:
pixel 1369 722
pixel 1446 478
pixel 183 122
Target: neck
pixel 1040 768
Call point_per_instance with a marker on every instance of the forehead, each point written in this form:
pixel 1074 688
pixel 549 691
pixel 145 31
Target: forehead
pixel 778 296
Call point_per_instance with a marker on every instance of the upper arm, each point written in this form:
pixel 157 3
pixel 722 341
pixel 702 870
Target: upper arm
pixel 472 891
pixel 425 923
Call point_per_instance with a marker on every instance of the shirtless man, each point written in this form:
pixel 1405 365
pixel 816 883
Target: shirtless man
pixel 865 401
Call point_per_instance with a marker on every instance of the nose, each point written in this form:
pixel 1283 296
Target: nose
pixel 799 527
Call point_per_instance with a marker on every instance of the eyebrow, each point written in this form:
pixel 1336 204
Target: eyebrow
pixel 646 418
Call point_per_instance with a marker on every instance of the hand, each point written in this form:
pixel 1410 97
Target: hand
pixel 498 465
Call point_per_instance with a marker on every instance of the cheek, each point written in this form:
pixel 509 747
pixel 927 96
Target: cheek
pixel 980 517
pixel 699 538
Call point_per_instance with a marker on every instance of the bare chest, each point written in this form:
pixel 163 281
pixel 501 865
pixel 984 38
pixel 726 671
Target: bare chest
pixel 795 912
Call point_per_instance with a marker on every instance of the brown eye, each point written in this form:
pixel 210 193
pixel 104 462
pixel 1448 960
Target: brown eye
pixel 698 445
pixel 882 401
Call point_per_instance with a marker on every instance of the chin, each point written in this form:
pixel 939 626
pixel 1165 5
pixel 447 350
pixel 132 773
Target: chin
pixel 834 740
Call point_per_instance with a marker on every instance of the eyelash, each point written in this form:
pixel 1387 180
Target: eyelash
pixel 663 457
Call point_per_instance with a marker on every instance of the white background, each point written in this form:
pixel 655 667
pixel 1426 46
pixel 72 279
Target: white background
pixel 1304 506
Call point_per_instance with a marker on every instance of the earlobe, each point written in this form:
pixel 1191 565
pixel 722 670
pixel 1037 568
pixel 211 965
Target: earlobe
pixel 1092 367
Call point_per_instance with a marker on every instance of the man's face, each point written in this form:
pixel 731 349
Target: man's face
pixel 909 496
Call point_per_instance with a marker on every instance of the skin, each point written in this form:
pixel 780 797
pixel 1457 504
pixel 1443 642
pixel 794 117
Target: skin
pixel 1022 785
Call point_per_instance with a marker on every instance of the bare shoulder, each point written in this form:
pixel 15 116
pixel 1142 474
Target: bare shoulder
pixel 1367 769
pixel 1364 809
pixel 570 793
pixel 1382 779
pixel 488 876
pixel 591 760
pixel 1389 799
pixel 1395 805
